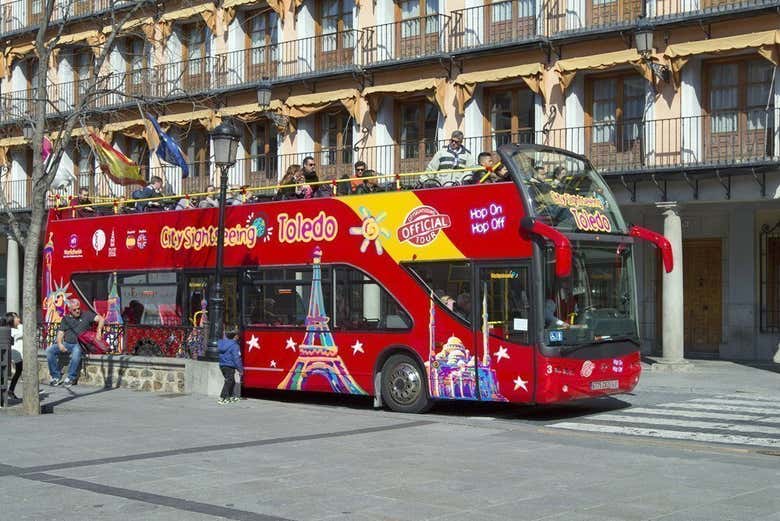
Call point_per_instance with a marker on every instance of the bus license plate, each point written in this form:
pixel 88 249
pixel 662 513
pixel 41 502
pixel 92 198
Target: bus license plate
pixel 603 384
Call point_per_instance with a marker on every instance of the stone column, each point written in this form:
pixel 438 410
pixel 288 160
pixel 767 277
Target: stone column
pixel 673 310
pixel 12 277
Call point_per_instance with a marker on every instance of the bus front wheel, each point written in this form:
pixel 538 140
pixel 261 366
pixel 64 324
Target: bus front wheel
pixel 404 386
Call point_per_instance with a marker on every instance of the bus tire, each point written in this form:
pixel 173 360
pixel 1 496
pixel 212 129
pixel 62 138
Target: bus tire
pixel 404 385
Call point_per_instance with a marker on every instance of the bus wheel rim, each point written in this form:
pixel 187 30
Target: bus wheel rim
pixel 405 384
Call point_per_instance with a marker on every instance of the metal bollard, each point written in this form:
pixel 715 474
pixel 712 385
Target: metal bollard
pixel 5 364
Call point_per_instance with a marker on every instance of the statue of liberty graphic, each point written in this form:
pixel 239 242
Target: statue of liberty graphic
pixel 55 303
pixel 318 355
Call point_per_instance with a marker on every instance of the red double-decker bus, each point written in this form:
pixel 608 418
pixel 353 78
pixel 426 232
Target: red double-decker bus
pixel 521 291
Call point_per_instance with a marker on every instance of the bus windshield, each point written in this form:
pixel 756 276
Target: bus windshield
pixel 566 192
pixel 596 303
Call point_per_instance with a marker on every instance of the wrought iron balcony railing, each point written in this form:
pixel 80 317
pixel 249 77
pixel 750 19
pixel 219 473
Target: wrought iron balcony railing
pixel 671 9
pixel 498 23
pixel 18 15
pixel 247 66
pixel 188 76
pixel 405 40
pixel 325 53
pixel 16 105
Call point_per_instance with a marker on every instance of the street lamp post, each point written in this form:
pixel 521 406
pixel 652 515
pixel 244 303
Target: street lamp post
pixel 225 141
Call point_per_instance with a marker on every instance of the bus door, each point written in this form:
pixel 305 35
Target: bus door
pixel 198 292
pixel 505 356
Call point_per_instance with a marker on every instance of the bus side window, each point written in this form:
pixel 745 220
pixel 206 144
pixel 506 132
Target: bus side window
pixel 361 303
pixel 450 283
pixel 280 297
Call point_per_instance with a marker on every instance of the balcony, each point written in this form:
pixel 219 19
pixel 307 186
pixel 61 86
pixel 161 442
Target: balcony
pixel 17 194
pixel 674 9
pixel 410 39
pixel 326 53
pixel 592 15
pixel 19 15
pixel 597 15
pixel 247 66
pixel 723 139
pixel 123 88
pixel 496 24
pixel 15 105
pixel 187 77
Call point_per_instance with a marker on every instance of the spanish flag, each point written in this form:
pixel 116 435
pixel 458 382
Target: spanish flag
pixel 117 166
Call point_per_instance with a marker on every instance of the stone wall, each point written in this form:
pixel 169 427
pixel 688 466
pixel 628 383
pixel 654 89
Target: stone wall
pixel 141 373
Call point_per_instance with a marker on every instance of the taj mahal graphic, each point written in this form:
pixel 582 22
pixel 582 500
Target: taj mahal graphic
pixel 453 371
pixel 318 354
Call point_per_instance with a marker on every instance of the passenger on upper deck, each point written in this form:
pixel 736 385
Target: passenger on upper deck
pixel 310 175
pixel 288 192
pixel 501 172
pixel 82 199
pixel 153 189
pixel 369 185
pixel 185 203
pixel 360 169
pixel 209 201
pixel 452 156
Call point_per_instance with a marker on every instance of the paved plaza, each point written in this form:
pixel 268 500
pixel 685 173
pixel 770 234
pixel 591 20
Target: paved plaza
pixel 698 445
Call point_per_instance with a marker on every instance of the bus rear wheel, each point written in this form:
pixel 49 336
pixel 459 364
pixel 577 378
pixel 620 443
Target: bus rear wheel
pixel 404 386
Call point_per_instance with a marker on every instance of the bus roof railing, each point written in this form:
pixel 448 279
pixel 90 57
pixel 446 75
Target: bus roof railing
pixel 397 180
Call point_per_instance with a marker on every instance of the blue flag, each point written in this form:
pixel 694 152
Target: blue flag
pixel 167 149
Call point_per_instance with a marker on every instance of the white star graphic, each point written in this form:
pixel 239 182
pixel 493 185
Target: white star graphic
pixel 253 343
pixel 357 347
pixel 273 363
pixel 501 353
pixel 519 382
pixel 290 344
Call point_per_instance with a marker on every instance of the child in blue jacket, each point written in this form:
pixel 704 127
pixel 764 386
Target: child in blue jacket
pixel 229 363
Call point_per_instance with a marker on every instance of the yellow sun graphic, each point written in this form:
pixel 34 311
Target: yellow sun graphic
pixel 371 230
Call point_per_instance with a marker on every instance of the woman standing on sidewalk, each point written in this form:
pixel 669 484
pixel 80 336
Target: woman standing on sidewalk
pixel 15 323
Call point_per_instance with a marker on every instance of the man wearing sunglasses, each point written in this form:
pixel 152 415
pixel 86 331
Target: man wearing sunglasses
pixel 453 156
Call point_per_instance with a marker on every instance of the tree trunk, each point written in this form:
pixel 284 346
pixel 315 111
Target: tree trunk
pixel 30 302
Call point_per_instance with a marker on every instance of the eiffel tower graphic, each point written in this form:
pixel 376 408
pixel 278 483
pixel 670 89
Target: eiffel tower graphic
pixel 318 354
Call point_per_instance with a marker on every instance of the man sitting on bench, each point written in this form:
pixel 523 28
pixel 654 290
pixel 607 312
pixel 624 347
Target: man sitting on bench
pixel 67 341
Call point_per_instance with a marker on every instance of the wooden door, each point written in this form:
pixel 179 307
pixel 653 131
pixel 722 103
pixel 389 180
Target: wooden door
pixel 612 12
pixel 417 34
pixel 334 146
pixel 261 58
pixel 336 40
pixel 34 11
pixel 509 21
pixel 416 134
pixel 195 51
pixel 82 8
pixel 739 124
pixel 614 125
pixel 702 294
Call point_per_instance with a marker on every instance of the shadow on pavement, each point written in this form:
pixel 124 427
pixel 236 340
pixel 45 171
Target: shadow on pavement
pixel 764 366
pixel 454 408
pixel 48 407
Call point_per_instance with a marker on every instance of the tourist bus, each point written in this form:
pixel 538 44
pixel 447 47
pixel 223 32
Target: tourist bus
pixel 449 287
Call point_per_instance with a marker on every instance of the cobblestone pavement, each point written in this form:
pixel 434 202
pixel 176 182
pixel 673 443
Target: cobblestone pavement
pixel 119 454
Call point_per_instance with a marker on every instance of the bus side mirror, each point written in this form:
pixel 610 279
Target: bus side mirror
pixel 559 240
pixel 659 240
